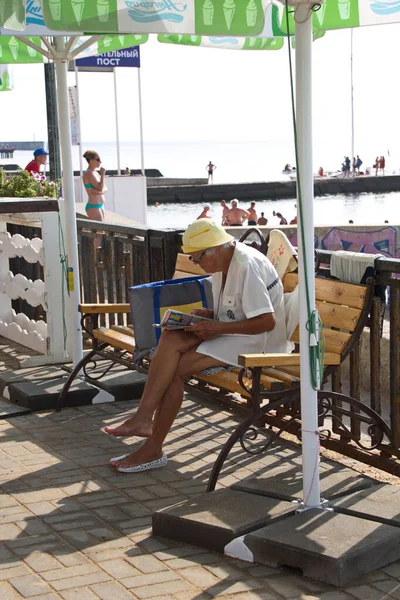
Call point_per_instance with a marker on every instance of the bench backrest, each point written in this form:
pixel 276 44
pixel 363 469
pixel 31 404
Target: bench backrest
pixel 343 308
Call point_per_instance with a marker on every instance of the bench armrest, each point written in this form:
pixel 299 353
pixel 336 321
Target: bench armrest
pixel 281 359
pixel 104 308
pixel 269 360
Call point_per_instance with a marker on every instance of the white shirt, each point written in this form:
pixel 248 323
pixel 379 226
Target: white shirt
pixel 252 288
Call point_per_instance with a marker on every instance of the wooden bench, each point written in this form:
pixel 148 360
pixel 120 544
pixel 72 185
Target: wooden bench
pixel 117 343
pixel 267 387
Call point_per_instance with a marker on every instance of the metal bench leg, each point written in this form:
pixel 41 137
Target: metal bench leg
pixel 62 397
pixel 235 436
pixel 238 435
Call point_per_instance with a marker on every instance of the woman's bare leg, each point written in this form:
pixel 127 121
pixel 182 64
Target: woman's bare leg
pixel 191 362
pixel 173 344
pixel 96 214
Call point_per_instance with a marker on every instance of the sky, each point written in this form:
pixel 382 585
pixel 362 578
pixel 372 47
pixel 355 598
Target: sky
pixel 192 94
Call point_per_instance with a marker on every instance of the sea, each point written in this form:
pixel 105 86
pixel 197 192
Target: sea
pixel 239 162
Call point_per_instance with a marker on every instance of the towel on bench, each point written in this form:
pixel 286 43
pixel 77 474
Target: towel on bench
pixel 350 267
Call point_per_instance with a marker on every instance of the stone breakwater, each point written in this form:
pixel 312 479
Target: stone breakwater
pixel 271 190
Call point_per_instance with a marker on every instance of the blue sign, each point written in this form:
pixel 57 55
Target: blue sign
pixel 128 57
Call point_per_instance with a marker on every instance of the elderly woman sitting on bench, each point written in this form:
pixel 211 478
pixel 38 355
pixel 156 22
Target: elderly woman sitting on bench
pixel 249 317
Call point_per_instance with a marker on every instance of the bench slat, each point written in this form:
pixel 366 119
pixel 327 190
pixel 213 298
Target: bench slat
pixel 342 317
pixel 115 338
pixel 288 379
pixel 335 341
pixel 281 358
pixel 104 308
pixel 127 330
pixel 332 291
pixel 229 380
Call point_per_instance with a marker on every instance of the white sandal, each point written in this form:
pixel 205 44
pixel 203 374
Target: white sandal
pixel 154 464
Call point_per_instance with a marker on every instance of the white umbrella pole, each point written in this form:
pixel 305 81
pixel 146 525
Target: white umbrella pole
pixel 74 327
pixel 140 121
pixel 144 183
pixel 79 129
pixel 352 94
pixel 310 439
pixel 117 121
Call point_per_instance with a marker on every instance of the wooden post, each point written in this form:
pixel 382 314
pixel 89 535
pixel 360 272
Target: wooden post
pixel 375 355
pixel 395 364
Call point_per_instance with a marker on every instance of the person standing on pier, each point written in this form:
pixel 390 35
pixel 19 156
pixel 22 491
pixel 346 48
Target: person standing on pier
pixel 210 170
pixel 40 158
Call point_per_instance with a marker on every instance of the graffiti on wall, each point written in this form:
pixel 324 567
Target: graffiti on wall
pixel 369 240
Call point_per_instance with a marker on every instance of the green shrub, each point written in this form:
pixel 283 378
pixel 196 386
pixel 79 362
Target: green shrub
pixel 26 185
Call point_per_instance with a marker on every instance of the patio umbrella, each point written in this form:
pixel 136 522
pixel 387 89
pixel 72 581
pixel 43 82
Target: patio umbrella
pixel 244 18
pixel 33 44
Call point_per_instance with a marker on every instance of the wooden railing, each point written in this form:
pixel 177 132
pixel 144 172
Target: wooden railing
pixel 128 256
pixel 386 405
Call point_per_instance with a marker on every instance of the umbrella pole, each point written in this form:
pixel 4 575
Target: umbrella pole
pixel 310 438
pixel 74 327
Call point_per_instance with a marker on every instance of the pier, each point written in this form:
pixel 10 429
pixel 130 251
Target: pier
pixel 6 151
pixel 26 145
pixel 271 190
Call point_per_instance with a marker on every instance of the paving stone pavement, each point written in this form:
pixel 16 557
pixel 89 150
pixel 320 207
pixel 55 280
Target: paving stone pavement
pixel 73 529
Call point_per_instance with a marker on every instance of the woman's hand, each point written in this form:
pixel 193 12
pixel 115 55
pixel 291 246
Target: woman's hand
pixel 102 171
pixel 205 330
pixel 207 313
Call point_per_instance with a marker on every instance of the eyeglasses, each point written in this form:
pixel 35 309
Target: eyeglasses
pixel 197 259
pixel 98 159
pixel 206 252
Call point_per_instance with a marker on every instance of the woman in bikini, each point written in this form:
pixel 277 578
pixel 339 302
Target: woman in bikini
pixel 93 181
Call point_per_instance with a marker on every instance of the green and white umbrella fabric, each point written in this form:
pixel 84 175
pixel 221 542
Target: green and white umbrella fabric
pixel 201 17
pixel 229 42
pixel 35 49
pixel 223 42
pixel 5 79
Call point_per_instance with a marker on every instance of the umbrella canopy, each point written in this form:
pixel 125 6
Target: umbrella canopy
pixel 202 17
pixel 36 49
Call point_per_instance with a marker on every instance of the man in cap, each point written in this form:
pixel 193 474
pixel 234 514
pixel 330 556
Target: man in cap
pixel 40 158
pixel 249 317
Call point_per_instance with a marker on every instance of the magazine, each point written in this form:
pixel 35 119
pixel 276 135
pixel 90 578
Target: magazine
pixel 174 319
